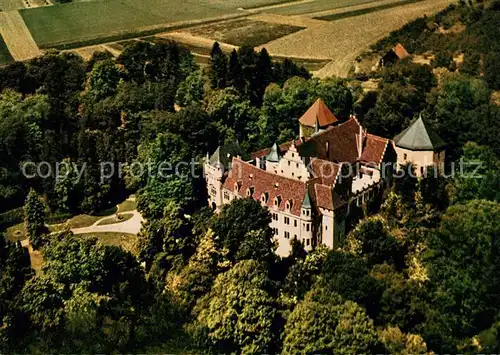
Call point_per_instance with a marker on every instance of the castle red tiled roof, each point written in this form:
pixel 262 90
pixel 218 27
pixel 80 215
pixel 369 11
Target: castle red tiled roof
pixel 374 149
pixel 326 171
pixel 318 111
pixel 326 198
pixel 340 140
pixel 247 175
pixel 283 148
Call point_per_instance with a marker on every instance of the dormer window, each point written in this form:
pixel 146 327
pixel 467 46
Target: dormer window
pixel 265 197
pixel 276 185
pixel 250 191
pixel 237 186
pixel 277 201
pixel 289 205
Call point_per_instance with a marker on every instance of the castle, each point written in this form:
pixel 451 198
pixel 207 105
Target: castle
pixel 311 184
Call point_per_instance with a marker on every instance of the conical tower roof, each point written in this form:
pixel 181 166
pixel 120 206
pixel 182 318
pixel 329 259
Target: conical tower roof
pixel 418 136
pixel 319 114
pixel 274 154
pixel 306 203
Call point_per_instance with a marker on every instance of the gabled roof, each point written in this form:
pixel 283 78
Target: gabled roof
pixel 400 51
pixel 418 136
pixel 224 154
pixel 325 171
pixel 318 115
pixel 337 144
pixel 374 149
pixel 249 177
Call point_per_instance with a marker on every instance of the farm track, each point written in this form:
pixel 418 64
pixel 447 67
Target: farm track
pixel 17 37
pixel 343 40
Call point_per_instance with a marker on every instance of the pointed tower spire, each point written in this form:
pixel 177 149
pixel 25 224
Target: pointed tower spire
pixel 274 154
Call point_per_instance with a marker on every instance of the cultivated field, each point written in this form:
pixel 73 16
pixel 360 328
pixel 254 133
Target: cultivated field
pixel 17 37
pixel 242 32
pixel 82 23
pixel 343 40
pixel 7 5
pixel 5 56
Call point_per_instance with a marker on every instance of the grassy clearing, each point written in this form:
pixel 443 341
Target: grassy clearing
pixel 243 32
pixel 127 205
pixel 80 23
pixel 369 10
pixel 114 219
pixel 123 240
pixel 15 233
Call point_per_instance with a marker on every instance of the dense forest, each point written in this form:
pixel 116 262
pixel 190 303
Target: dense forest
pixel 418 276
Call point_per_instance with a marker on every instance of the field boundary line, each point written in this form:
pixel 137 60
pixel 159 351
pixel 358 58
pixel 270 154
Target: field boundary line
pixel 17 37
pixel 276 6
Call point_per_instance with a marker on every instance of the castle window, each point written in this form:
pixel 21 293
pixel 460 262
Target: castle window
pixel 307 227
pixel 405 156
pixel 287 235
pixel 295 223
pixel 307 242
pixel 287 220
pixel 226 195
pixel 289 163
pixel 293 155
pixel 275 216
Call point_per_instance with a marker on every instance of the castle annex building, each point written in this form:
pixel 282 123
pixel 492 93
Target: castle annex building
pixel 310 185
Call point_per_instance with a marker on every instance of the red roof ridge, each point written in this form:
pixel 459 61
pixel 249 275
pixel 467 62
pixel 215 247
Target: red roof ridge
pixel 328 129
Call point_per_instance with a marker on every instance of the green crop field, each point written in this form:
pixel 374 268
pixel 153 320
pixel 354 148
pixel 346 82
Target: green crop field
pixel 316 6
pixel 5 56
pixel 84 23
pixel 368 10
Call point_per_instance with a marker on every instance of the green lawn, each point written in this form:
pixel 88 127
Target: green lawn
pixel 15 233
pixel 126 241
pixel 127 205
pixel 5 56
pixel 113 220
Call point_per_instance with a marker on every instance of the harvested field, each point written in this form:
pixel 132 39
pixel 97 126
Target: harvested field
pixel 243 32
pixel 17 37
pixel 195 42
pixel 5 56
pixel 7 5
pixel 343 40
